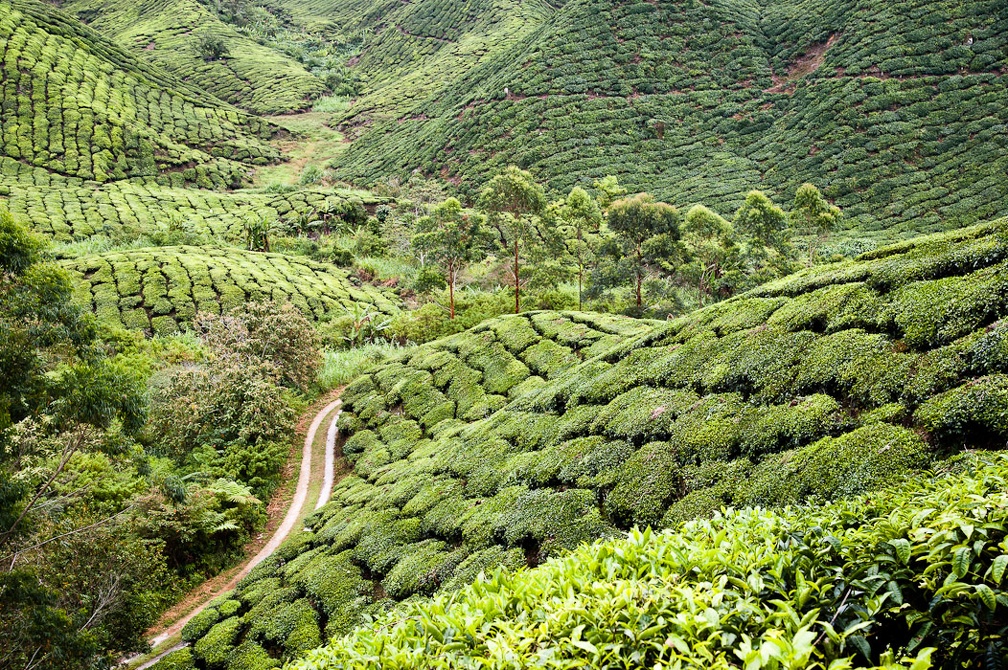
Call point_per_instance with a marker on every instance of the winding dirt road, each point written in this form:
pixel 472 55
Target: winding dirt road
pixel 294 513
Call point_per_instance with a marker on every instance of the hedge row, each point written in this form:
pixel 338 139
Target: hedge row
pixel 75 104
pixel 527 435
pixel 160 290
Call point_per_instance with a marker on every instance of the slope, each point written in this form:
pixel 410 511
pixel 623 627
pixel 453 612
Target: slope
pixel 872 581
pixel 166 33
pixel 892 108
pixel 527 435
pixel 161 288
pixel 79 107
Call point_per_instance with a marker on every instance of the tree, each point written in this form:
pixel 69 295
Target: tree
pixel 59 396
pixel 451 238
pixel 761 220
pixel 816 215
pixel 514 202
pixel 644 236
pixel 211 45
pixel 579 220
pixel 713 253
pixel 609 190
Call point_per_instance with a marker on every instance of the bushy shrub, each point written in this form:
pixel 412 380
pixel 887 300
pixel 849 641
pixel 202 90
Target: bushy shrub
pixel 214 649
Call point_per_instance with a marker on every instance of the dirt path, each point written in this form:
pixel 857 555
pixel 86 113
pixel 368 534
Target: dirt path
pixel 229 580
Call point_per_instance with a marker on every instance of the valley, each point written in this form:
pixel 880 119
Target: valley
pixel 496 334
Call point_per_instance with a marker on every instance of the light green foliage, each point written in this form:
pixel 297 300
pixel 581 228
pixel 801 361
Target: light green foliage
pixel 160 290
pixel 903 579
pixel 776 397
pixel 81 107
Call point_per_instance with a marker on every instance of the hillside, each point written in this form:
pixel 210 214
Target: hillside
pixel 517 440
pixel 870 582
pixel 160 289
pixel 80 107
pixel 893 110
pixel 166 33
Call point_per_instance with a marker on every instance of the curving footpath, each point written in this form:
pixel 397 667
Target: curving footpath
pixel 294 513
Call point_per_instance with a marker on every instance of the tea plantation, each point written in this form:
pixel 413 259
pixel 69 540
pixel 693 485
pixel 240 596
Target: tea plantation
pixel 249 75
pixel 516 441
pixel 895 110
pixel 69 210
pixel 157 290
pixel 902 578
pixel 77 105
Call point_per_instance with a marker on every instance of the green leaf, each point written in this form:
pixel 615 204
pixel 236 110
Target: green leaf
pixel 961 562
pixel 902 547
pixel 987 596
pixel 997 568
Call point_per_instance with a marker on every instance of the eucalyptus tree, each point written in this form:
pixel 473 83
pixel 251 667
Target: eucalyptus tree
pixel 643 235
pixel 514 203
pixel 451 238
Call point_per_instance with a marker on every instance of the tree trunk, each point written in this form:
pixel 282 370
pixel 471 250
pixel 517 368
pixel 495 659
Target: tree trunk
pixel 580 281
pixel 451 294
pixel 640 275
pixel 516 278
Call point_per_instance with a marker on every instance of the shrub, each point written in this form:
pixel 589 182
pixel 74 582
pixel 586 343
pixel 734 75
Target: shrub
pixel 974 414
pixel 215 647
pixel 200 624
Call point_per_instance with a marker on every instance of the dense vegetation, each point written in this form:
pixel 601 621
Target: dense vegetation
pixel 156 290
pixel 130 469
pixel 894 110
pixel 240 71
pixel 527 435
pixel 208 272
pixel 79 106
pixel 909 576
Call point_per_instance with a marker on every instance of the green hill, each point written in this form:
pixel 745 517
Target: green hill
pixel 873 581
pixel 893 109
pixel 78 106
pixel 159 289
pixel 527 435
pixel 166 33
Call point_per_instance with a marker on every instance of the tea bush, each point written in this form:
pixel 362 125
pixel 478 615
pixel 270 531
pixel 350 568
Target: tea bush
pixel 479 445
pixel 909 577
pixel 160 290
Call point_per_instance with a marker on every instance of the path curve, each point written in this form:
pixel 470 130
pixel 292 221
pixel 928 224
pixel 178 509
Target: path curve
pixel 289 520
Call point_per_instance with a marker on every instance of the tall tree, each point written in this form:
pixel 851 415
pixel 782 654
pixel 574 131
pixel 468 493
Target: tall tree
pixel 609 190
pixel 812 212
pixel 644 233
pixel 579 220
pixel 452 238
pixel 713 253
pixel 514 202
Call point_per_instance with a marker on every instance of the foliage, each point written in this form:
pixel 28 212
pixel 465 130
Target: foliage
pixel 643 235
pixel 451 238
pixel 160 290
pixel 533 433
pixel 905 578
pixel 514 201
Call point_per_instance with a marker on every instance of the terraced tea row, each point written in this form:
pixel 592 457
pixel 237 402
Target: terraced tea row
pixel 77 105
pixel 249 75
pixel 160 290
pixel 527 435
pixel 68 210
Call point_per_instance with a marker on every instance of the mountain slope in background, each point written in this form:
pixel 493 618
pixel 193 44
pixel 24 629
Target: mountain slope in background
pixel 166 33
pixel 81 108
pixel 894 109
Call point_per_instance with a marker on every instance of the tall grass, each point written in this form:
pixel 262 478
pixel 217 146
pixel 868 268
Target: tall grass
pixel 340 367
